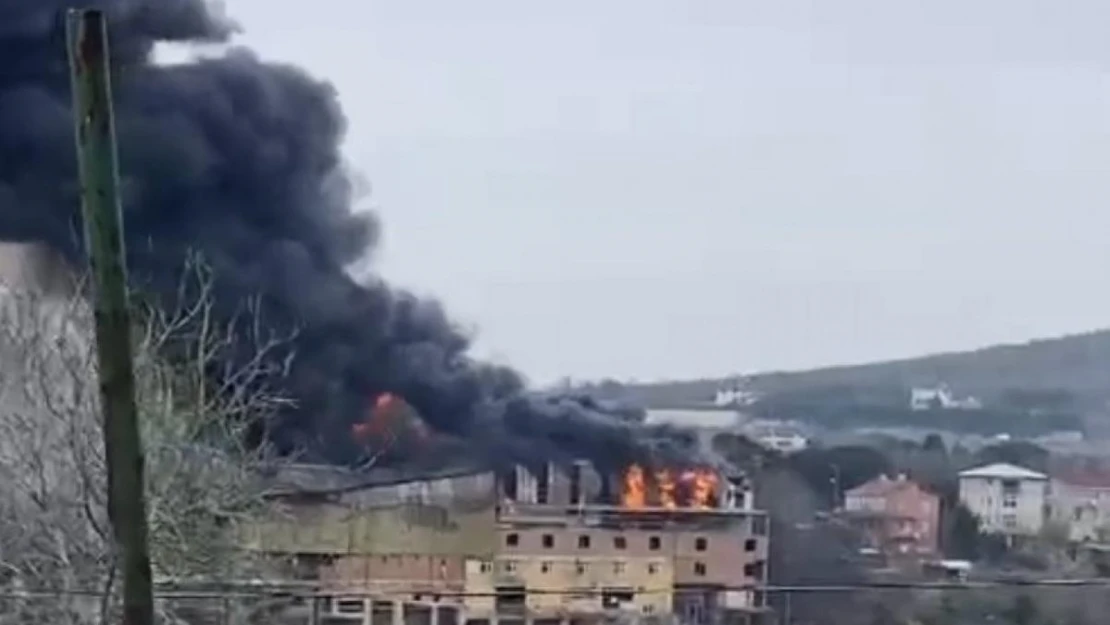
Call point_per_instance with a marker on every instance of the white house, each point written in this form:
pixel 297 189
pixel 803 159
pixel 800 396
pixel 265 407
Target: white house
pixel 781 436
pixel 941 397
pixel 735 397
pixel 785 442
pixel 1008 499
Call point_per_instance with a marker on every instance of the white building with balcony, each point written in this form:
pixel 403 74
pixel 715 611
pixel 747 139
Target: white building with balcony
pixel 1008 499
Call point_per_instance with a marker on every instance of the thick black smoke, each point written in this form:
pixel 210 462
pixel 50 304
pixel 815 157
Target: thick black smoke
pixel 238 159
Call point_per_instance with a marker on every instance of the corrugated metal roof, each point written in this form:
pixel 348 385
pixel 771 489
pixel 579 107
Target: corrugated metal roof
pixel 1004 470
pixel 326 479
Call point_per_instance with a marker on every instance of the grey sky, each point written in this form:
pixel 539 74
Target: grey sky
pixel 673 188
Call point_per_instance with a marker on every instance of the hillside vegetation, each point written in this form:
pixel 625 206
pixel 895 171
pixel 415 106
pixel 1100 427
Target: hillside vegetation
pixel 1078 364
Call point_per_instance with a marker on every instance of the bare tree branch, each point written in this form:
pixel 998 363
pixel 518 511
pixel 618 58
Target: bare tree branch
pixel 200 380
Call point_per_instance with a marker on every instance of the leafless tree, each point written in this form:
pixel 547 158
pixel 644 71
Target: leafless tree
pixel 197 387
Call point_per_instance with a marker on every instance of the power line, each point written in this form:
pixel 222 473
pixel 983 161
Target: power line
pixel 275 588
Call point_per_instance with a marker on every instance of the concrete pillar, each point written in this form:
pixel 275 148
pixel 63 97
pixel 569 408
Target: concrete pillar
pixel 525 485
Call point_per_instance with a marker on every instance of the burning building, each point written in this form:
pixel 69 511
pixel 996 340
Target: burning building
pixel 548 544
pixel 259 191
pixel 647 541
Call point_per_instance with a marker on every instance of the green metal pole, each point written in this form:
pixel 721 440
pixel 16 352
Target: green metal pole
pixel 87 39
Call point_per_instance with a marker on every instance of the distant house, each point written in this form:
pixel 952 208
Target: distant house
pixel 784 442
pixel 940 398
pixel 1008 499
pixel 782 436
pixel 1080 501
pixel 895 515
pixel 736 396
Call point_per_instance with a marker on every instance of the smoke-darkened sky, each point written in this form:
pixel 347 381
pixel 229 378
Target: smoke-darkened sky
pixel 658 188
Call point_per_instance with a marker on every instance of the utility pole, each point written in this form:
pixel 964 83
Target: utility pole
pixel 87 43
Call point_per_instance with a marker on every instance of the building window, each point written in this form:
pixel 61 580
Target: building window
pixel 1011 488
pixel 512 540
pixel 653 568
pixel 699 569
pixel 510 566
pixel 619 542
pixel 750 545
pixel 754 570
pixel 350 606
pixel 485 567
pixel 759 525
pixel 545 567
pixel 584 541
pixel 580 568
pixel 548 541
pixel 700 543
pixel 618 568
pixel 1009 521
pixel 654 543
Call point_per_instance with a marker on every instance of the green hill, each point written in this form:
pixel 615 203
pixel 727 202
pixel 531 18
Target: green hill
pixel 1076 365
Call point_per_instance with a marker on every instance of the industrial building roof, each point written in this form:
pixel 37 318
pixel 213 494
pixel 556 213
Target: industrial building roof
pixel 318 479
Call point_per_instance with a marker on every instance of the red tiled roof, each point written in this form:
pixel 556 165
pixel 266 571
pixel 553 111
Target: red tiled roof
pixel 881 486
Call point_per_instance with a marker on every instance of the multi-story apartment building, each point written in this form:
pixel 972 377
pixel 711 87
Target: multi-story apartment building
pixel 896 516
pixel 533 546
pixel 656 545
pixel 548 565
pixel 1008 499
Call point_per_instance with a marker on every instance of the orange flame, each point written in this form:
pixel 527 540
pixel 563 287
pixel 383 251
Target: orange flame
pixel 377 420
pixel 694 489
pixel 666 489
pixel 634 495
pixel 705 486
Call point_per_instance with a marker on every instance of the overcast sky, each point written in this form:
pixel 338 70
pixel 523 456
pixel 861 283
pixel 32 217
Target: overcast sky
pixel 672 188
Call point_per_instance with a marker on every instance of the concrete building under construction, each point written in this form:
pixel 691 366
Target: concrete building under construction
pixel 549 545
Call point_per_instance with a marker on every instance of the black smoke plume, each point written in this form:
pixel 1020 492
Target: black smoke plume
pixel 239 160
